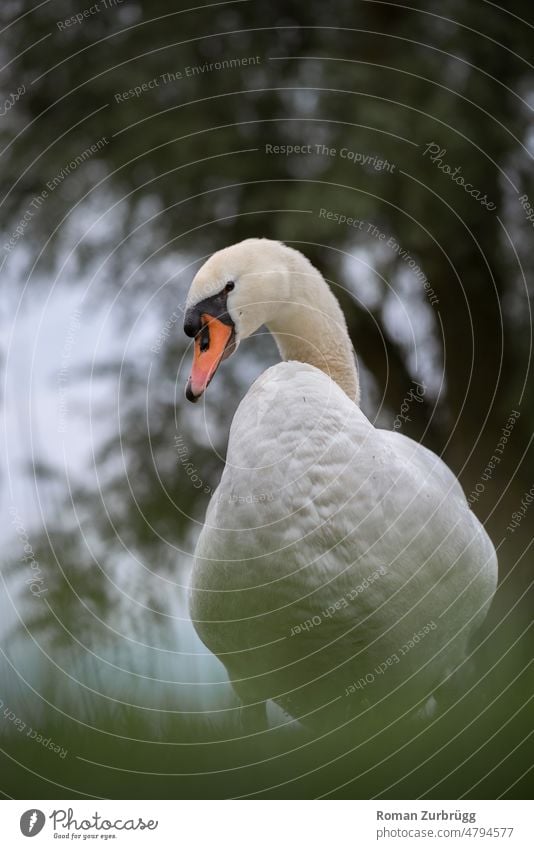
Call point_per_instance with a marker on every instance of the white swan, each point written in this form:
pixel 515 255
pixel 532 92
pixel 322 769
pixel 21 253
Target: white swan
pixel 339 567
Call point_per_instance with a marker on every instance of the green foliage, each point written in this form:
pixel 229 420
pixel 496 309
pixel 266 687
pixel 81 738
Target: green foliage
pixel 183 171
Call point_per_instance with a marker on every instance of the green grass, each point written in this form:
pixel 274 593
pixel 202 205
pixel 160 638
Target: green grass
pixel 478 748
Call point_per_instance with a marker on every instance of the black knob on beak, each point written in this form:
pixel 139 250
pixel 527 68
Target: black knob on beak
pixel 192 322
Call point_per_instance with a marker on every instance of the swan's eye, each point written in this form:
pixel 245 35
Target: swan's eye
pixel 229 287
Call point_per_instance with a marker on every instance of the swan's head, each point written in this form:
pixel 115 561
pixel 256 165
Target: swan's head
pixel 236 291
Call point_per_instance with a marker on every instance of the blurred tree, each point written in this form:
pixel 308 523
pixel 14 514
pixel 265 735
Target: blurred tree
pixel 183 168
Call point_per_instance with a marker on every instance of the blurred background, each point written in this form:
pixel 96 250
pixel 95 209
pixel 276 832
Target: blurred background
pixel 136 139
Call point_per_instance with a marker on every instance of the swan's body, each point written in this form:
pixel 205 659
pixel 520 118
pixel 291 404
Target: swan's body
pixel 339 566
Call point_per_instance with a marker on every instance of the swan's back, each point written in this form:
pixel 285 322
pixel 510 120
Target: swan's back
pixel 338 563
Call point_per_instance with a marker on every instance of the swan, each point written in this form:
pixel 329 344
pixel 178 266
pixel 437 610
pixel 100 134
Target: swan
pixel 340 568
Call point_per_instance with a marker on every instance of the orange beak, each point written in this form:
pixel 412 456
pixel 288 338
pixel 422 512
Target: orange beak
pixel 213 343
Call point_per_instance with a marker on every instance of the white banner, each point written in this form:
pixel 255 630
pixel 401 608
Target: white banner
pixel 269 824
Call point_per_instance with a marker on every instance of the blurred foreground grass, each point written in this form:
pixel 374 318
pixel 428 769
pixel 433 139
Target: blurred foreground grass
pixel 479 748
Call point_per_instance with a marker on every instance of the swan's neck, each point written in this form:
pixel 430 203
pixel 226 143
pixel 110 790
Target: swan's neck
pixel 310 327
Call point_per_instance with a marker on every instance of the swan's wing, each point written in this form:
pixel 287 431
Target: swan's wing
pixel 332 549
